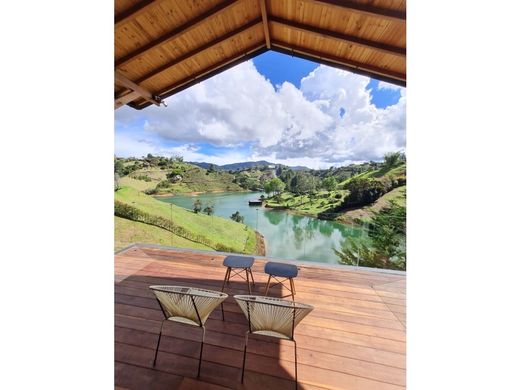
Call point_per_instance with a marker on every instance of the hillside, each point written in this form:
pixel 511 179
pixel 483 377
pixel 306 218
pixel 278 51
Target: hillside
pixel 127 232
pixel 198 227
pixel 158 176
pixel 242 165
pixel 330 204
pixel 364 214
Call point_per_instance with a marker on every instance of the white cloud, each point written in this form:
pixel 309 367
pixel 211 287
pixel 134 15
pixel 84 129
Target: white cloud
pixel 328 121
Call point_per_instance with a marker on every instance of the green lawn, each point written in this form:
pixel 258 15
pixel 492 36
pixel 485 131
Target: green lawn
pixel 140 185
pixel 216 229
pixel 127 232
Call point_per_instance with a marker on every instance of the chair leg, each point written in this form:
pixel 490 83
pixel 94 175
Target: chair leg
pixel 295 367
pixel 247 278
pixel 226 278
pixel 244 359
pixel 158 342
pixel 201 347
pixel 251 273
pixel 267 287
pixel 293 290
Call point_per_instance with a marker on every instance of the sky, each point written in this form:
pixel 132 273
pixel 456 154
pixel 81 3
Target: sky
pixel 277 108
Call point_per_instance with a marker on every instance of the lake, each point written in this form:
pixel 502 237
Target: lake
pixel 287 236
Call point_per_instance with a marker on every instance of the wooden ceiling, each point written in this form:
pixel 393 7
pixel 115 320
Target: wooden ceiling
pixel 164 46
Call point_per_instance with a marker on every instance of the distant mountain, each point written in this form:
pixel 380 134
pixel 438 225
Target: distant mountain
pixel 241 165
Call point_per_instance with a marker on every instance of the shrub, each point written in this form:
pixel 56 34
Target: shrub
pixel 237 217
pixel 363 192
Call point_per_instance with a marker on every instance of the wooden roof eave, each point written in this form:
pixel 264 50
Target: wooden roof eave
pixel 203 75
pixel 379 52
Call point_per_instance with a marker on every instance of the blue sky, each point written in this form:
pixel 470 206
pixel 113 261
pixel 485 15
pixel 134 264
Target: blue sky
pixel 277 108
pixel 277 68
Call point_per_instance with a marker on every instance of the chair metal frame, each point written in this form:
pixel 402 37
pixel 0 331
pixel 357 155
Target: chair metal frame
pixel 228 276
pixel 166 318
pixel 238 273
pixel 291 281
pixel 291 338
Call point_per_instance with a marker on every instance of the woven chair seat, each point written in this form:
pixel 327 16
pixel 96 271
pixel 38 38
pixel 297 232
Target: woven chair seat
pixel 272 316
pixel 188 305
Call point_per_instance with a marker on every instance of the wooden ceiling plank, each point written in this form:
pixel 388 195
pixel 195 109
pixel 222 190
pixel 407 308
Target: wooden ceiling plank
pixel 122 81
pixel 200 49
pixel 175 33
pixel 342 63
pixel 121 101
pixel 134 12
pixel 265 22
pixel 365 9
pixel 397 51
pixel 207 73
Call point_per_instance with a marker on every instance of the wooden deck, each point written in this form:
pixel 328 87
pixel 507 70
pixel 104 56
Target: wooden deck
pixel 354 338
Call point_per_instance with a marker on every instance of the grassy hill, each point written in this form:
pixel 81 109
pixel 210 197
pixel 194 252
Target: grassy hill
pixel 127 232
pixel 219 230
pixel 326 201
pixel 397 172
pixel 364 214
pixel 154 179
pixel 307 205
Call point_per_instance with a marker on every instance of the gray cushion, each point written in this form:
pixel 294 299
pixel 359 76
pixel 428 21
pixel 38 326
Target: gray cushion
pixel 281 269
pixel 239 261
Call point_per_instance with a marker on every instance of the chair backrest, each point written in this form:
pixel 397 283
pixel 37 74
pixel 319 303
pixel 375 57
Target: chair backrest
pixel 188 305
pixel 272 316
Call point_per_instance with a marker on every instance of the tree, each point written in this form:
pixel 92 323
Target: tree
pixel 119 167
pixel 363 191
pixel 392 159
pixel 211 168
pixel 386 241
pixel 197 206
pixel 329 183
pixel 268 188
pixel 276 185
pixel 237 217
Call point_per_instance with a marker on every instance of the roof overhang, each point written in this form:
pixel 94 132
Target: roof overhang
pixel 165 46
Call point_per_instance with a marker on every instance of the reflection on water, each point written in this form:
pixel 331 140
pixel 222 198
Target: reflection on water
pixel 287 235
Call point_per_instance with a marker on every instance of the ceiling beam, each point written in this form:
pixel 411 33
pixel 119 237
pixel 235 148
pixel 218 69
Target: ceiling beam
pixel 125 99
pixel 175 33
pixel 122 81
pixel 340 37
pixel 265 22
pixel 206 73
pixel 341 63
pixel 365 9
pixel 194 52
pixel 134 12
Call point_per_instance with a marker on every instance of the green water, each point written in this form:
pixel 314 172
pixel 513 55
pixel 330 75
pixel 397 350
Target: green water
pixel 287 236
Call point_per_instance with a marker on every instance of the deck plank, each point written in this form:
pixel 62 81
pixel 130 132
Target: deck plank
pixel 355 338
